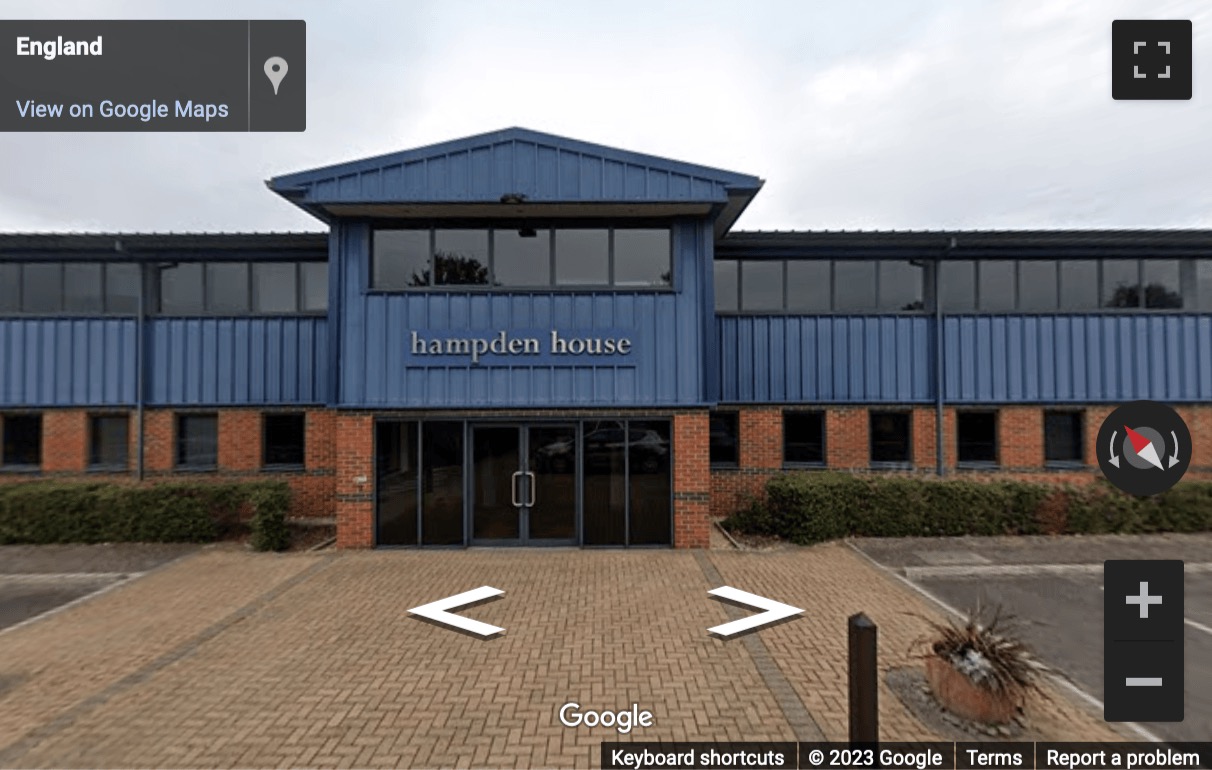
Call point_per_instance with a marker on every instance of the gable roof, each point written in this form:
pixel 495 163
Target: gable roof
pixel 474 173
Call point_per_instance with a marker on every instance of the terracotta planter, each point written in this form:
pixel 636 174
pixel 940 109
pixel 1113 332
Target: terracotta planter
pixel 964 698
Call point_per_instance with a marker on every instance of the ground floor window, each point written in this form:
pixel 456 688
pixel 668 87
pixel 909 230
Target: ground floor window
pixel 197 441
pixel 284 441
pixel 573 482
pixel 724 438
pixel 20 441
pixel 1063 437
pixel 804 438
pixel 976 437
pixel 890 438
pixel 108 441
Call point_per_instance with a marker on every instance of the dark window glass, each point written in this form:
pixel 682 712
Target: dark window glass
pixel 181 289
pixel 22 440
pixel 10 288
pixel 854 286
pixel 976 437
pixel 521 257
pixel 82 287
pixel 460 258
pixel 442 483
pixel 1078 285
pixel 726 286
pixel 401 259
pixel 808 286
pixel 996 289
pixel 285 439
pixel 197 440
pixel 396 474
pixel 1063 437
pixel 641 258
pixel 804 437
pixel 42 287
pixel 275 288
pixel 890 437
pixel 722 438
pixel 108 441
pixel 1203 283
pixel 226 287
pixel 1037 287
pixel 315 286
pixel 582 257
pixel 761 285
pixel 1163 289
pixel 1121 283
pixel 958 285
pixel 900 286
pixel 651 517
pixel 605 483
pixel 122 288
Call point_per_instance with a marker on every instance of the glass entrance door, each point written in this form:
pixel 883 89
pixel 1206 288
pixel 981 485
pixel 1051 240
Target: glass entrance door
pixel 524 484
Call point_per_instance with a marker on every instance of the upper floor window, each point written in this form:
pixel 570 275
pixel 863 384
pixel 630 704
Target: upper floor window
pixel 818 286
pixel 86 288
pixel 522 257
pixel 243 288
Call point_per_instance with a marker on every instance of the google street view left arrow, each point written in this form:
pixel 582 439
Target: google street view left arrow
pixel 439 612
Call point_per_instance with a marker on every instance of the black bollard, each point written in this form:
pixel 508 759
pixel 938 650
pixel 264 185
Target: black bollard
pixel 864 681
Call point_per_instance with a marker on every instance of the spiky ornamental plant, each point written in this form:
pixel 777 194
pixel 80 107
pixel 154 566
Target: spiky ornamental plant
pixel 988 653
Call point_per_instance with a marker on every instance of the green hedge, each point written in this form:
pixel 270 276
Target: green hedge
pixel 813 507
pixel 41 512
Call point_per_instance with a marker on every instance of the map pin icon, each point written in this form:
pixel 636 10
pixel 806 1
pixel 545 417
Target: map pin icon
pixel 275 70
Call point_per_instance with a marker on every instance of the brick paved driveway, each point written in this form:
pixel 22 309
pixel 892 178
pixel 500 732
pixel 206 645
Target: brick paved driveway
pixel 226 658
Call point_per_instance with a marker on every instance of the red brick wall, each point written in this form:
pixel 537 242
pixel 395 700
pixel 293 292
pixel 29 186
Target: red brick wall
pixel 64 441
pixel 846 437
pixel 1020 433
pixel 355 480
pixel 760 456
pixel 691 481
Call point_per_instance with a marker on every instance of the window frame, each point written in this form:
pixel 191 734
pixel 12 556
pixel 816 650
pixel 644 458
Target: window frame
pixel 179 419
pixel 61 265
pixel 890 464
pixel 7 467
pixel 265 464
pixel 735 416
pixel 1080 415
pixel 819 413
pixel 93 464
pixel 251 290
pixel 996 462
pixel 551 227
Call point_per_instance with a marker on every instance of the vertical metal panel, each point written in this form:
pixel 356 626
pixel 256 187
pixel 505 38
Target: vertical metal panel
pixel 67 362
pixel 217 361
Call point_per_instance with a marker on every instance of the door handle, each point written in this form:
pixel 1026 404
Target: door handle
pixel 531 484
pixel 513 489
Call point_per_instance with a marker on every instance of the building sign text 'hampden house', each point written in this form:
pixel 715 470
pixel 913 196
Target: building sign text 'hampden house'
pixel 502 343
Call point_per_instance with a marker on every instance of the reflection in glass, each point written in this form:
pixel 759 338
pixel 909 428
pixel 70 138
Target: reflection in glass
pixel 496 463
pixel 1037 291
pixel 227 287
pixel 1204 283
pixel 808 285
pixel 401 259
pixel 315 286
pixel 274 289
pixel 726 286
pixel 996 290
pixel 641 258
pixel 181 289
pixel 460 258
pixel 605 483
pixel 1163 287
pixel 122 288
pixel 890 437
pixel 722 438
pixel 10 288
pixel 651 516
pixel 1121 283
pixel 761 285
pixel 582 257
pixel 854 286
pixel 1078 285
pixel 521 257
pixel 957 285
pixel 82 287
pixel 552 461
pixel 1063 437
pixel 41 287
pixel 900 286
pixel 396 466
pixel 442 483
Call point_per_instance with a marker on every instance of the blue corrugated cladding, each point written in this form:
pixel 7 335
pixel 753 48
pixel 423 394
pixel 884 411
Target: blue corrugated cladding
pixel 987 359
pixel 543 167
pixel 668 330
pixel 66 362
pixel 190 361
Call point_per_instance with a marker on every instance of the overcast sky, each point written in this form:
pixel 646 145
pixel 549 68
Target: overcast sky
pixel 871 115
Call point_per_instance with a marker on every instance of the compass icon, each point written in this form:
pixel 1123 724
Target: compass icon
pixel 1144 448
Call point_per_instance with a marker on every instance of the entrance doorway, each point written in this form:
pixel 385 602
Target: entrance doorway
pixel 524 484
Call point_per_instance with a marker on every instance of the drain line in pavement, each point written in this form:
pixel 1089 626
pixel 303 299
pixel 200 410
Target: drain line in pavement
pixel 794 711
pixel 10 754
